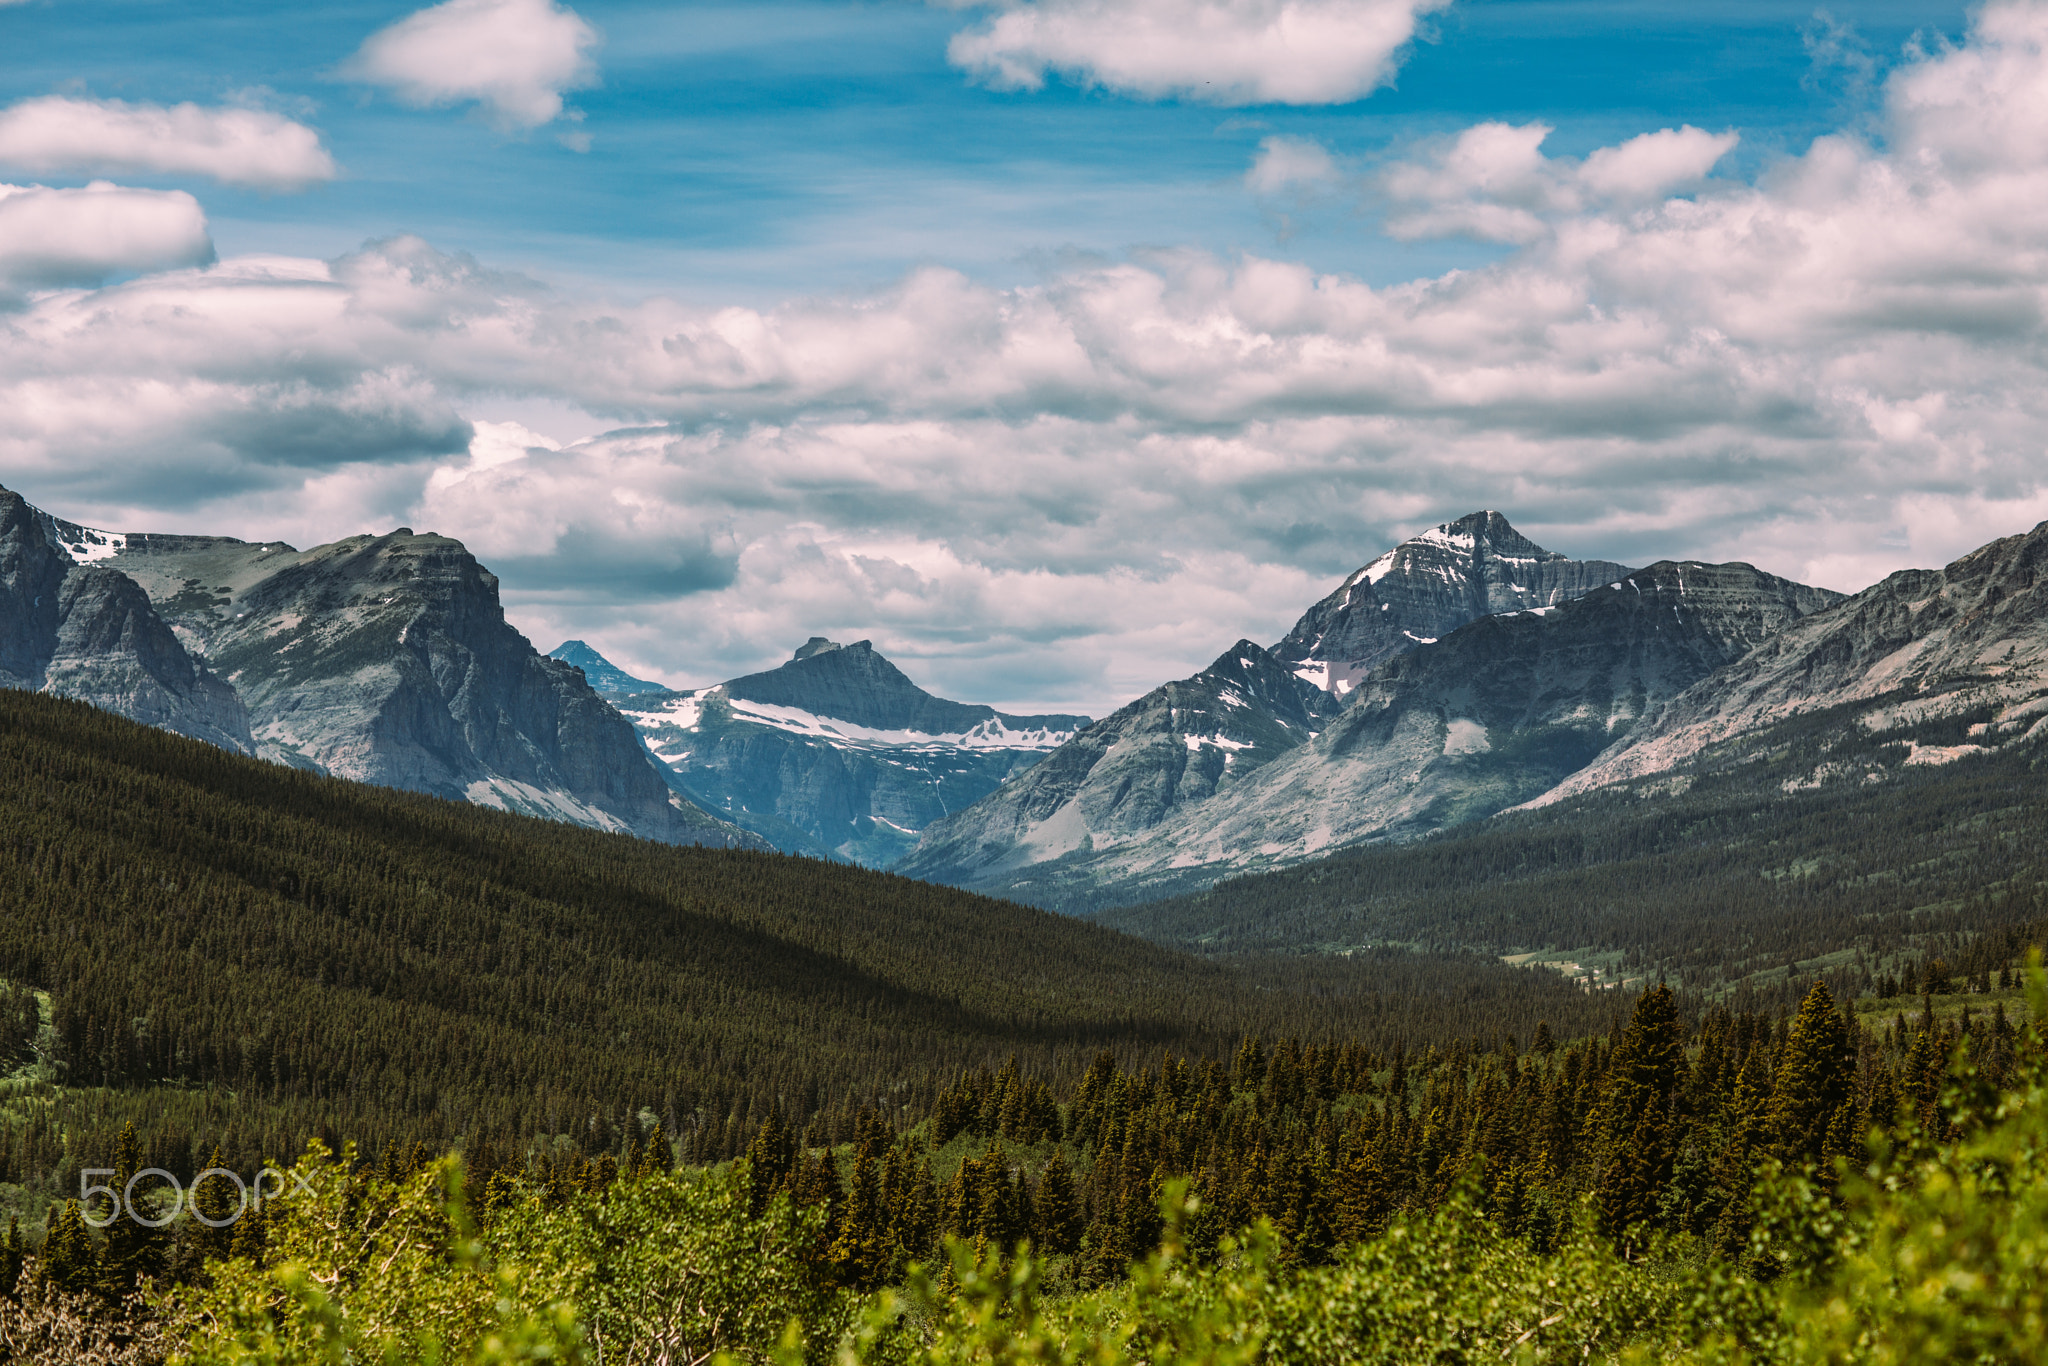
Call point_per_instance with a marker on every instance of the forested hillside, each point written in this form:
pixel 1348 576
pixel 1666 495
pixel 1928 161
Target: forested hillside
pixel 235 953
pixel 1729 884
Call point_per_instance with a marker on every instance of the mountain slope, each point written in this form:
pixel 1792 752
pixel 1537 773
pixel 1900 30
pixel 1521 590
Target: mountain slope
pixel 386 966
pixel 1497 712
pixel 388 660
pixel 81 629
pixel 1427 587
pixel 837 753
pixel 1195 744
pixel 1734 882
pixel 1936 665
pixel 1179 744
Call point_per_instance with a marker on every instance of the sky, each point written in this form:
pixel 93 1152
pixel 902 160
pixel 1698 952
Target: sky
pixel 1053 345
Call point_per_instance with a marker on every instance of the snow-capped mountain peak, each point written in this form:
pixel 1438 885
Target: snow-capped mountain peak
pixel 1427 587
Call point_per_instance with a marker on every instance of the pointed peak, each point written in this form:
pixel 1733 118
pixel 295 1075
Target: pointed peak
pixel 816 645
pixel 600 673
pixel 1245 654
pixel 1487 530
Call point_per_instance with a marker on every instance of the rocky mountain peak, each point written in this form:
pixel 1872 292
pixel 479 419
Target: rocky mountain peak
pixel 1427 587
pixel 857 683
pixel 73 625
pixel 603 675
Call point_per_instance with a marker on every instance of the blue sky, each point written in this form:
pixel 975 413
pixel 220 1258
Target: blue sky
pixel 795 320
pixel 747 152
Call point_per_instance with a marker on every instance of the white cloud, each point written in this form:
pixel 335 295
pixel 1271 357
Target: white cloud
pixel 1655 163
pixel 1493 182
pixel 1067 491
pixel 1228 52
pixel 1285 163
pixel 80 237
pixel 235 146
pixel 513 57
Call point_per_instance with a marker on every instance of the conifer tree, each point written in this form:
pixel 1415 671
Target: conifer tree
pixel 130 1249
pixel 250 1239
pixel 769 1159
pixel 1815 1076
pixel 1640 1143
pixel 70 1258
pixel 861 1253
pixel 218 1201
pixel 657 1159
pixel 1364 1196
pixel 1057 1206
pixel 12 1255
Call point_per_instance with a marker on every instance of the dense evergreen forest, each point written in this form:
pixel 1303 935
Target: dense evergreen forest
pixel 1733 888
pixel 234 954
pixel 1675 1175
pixel 560 1095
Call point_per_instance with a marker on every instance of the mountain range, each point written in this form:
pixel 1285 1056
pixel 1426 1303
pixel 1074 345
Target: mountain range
pixel 1465 672
pixel 835 754
pixel 384 659
pixel 1495 712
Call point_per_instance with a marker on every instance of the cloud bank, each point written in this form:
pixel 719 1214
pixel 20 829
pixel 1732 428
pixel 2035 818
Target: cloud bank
pixel 1833 372
pixel 251 147
pixel 514 58
pixel 1229 52
pixel 52 237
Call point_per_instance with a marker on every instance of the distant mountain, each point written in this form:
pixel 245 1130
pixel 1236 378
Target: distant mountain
pixel 600 673
pixel 1925 668
pixel 1498 712
pixel 837 753
pixel 70 625
pixel 385 659
pixel 1179 745
pixel 1188 751
pixel 1427 587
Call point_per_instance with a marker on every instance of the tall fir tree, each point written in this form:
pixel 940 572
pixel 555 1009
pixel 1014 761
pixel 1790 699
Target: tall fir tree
pixel 1640 1142
pixel 1816 1074
pixel 1057 1206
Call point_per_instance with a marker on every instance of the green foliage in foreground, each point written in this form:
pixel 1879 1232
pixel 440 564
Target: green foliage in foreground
pixel 1930 1252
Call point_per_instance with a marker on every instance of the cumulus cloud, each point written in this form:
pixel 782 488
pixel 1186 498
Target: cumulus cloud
pixel 1285 163
pixel 515 58
pixel 1229 52
pixel 1493 181
pixel 1064 492
pixel 251 147
pixel 80 237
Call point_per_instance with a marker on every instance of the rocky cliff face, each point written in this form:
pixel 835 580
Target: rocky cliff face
pixel 1427 587
pixel 1927 667
pixel 838 753
pixel 387 659
pixel 81 629
pixel 1177 747
pixel 1498 711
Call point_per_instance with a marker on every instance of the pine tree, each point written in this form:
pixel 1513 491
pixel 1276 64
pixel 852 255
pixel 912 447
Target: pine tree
pixel 70 1258
pixel 130 1249
pixel 657 1159
pixel 861 1253
pixel 1057 1206
pixel 218 1203
pixel 12 1255
pixel 1815 1076
pixel 1640 1142
pixel 1364 1196
pixel 769 1159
